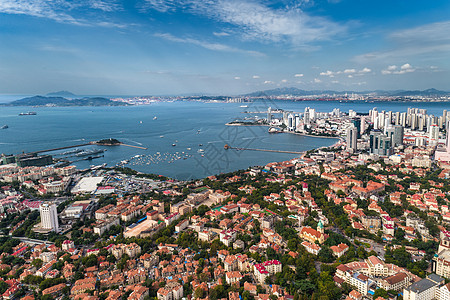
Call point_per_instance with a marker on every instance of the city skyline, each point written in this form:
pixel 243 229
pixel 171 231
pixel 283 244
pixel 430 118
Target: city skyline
pixel 216 47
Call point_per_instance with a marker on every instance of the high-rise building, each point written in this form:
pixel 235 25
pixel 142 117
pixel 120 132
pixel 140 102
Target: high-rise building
pixel 433 137
pixel 444 155
pixel 421 123
pixel 381 118
pixel 374 142
pixel 379 143
pixel 447 140
pixel 306 117
pixel 312 114
pixel 357 123
pixel 49 216
pixel 352 134
pixel 403 119
pixel 441 122
pixel 291 122
pixel 363 125
pixel 395 133
pixel 373 115
pixel 413 121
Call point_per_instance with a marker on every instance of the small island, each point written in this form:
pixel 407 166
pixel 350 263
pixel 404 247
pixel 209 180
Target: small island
pixel 108 142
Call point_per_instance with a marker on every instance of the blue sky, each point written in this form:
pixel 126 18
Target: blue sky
pixel 157 47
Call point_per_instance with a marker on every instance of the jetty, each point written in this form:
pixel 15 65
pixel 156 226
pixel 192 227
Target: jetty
pixel 60 148
pixel 98 143
pixel 143 148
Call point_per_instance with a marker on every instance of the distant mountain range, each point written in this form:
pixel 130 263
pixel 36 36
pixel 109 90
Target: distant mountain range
pixel 61 101
pixel 61 94
pixel 298 92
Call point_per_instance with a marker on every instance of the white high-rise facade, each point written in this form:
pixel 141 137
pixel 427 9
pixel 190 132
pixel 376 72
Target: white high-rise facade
pixel 433 138
pixel 49 216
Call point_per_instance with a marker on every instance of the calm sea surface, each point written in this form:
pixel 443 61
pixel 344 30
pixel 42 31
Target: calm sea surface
pixel 196 129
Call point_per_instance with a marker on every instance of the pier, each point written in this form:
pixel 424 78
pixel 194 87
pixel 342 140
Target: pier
pixel 132 146
pixel 264 150
pixel 85 144
pixel 60 148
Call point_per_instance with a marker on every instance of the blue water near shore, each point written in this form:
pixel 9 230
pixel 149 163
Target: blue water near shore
pixel 186 124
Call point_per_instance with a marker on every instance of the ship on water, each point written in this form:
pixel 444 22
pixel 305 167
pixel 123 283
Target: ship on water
pixel 274 130
pixel 89 152
pixel 30 113
pixel 4 127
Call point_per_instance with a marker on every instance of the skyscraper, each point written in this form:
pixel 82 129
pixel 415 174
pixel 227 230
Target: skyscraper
pixel 269 115
pixel 352 133
pixel 357 123
pixel 379 143
pixel 306 118
pixel 291 122
pixel 49 216
pixel 433 137
pixel 395 133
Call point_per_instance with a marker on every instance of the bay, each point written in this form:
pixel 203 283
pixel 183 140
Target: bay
pixel 185 124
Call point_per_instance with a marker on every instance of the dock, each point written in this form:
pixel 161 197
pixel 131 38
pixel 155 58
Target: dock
pixel 143 148
pixel 82 145
pixel 60 148
pixel 266 150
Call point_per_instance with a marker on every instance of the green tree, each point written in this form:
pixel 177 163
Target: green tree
pixel 199 293
pixel 325 254
pixel 37 263
pixel 380 293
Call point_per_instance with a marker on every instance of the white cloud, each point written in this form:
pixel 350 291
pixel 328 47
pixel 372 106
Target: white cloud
pixel 206 45
pixel 221 34
pixel 284 80
pixel 161 5
pixel 426 40
pixel 298 75
pixel 350 76
pixel 317 80
pixel 327 73
pixel 365 70
pixel 105 5
pixel 346 71
pixel 258 21
pixel 392 68
pixel 256 77
pixel 405 68
pixel 237 78
pixel 61 10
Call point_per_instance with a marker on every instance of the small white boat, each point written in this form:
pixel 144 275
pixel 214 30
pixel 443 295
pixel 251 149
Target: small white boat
pixel 155 118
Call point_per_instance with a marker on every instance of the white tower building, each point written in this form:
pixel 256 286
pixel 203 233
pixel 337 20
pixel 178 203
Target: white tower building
pixel 49 216
pixel 434 135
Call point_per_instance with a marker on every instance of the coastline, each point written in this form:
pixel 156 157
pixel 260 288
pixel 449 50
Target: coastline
pixel 291 132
